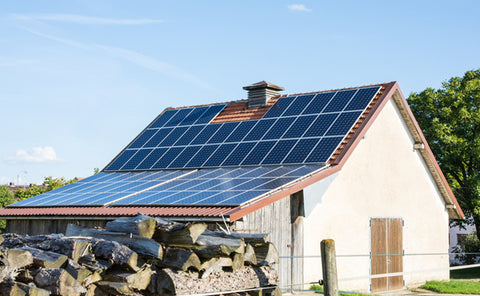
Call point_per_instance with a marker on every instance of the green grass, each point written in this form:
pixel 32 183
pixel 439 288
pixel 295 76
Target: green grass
pixel 453 287
pixel 319 289
pixel 465 274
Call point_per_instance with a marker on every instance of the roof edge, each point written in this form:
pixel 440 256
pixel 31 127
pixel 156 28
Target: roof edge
pixel 261 202
pixel 450 200
pixel 392 91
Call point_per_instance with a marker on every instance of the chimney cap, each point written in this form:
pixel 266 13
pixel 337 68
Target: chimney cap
pixel 263 84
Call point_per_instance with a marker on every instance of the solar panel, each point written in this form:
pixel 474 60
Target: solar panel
pixel 293 131
pixel 102 188
pixel 221 186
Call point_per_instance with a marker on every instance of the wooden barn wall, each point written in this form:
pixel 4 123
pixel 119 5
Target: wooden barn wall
pixel 283 221
pixel 39 226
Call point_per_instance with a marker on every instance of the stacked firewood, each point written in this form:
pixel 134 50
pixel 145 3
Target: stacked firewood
pixel 137 256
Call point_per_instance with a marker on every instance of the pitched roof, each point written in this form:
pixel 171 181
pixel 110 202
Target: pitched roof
pixel 226 160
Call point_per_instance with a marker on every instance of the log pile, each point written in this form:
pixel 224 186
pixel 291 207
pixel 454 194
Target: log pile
pixel 137 256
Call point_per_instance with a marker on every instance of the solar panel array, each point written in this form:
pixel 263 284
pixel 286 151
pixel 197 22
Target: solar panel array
pixel 221 186
pixel 296 130
pixel 182 158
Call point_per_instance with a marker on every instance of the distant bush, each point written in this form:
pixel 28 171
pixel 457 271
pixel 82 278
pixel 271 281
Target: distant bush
pixel 470 244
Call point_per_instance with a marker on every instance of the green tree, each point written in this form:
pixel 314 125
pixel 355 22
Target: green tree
pixel 450 120
pixel 49 183
pixel 6 198
pixel 31 191
pixel 53 183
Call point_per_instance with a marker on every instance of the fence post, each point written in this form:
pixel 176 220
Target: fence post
pixel 329 267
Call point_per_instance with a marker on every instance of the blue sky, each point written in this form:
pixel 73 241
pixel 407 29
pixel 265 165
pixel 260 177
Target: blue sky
pixel 80 79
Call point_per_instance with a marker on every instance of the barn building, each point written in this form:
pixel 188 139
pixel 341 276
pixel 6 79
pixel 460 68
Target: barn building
pixel 349 164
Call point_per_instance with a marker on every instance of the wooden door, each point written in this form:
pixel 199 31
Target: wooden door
pixel 386 254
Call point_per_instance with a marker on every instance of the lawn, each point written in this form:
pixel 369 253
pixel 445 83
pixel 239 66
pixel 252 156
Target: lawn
pixel 453 287
pixel 319 289
pixel 462 282
pixel 465 274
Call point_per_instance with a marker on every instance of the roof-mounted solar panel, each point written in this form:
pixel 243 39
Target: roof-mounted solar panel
pixel 295 130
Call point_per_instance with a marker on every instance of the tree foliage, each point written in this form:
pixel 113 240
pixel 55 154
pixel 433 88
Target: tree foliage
pixel 6 196
pixel 49 183
pixel 450 120
pixel 467 248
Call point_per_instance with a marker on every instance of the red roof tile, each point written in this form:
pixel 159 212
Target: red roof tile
pixel 207 211
pixel 239 111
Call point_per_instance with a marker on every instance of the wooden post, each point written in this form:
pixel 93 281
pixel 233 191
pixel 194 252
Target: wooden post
pixel 329 267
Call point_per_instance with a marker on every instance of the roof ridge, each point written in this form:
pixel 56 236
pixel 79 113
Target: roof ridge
pixel 280 96
pixel 331 90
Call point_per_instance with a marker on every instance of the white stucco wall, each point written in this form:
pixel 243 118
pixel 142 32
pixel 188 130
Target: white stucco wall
pixel 384 177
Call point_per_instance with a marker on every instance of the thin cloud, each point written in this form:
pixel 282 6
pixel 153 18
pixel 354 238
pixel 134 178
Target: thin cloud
pixel 34 155
pixel 299 7
pixel 132 57
pixel 154 65
pixel 85 20
pixel 58 39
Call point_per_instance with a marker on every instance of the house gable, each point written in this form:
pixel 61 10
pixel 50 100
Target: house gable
pixel 385 176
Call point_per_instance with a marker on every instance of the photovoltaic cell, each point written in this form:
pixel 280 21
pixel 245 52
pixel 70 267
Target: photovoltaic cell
pixel 143 138
pixel 258 153
pixel 163 118
pixel 299 127
pixel 173 136
pixel 220 155
pixel 135 160
pixel 178 117
pixel 259 130
pixel 343 123
pixel 238 154
pixel 278 108
pixel 318 103
pixel 193 116
pixel 287 133
pixel 102 188
pixel 211 112
pixel 320 126
pixel 203 154
pixel 279 151
pixel 122 158
pixel 279 128
pixel 206 134
pixel 151 159
pixel 223 132
pixel 241 131
pixel 189 135
pixel 362 98
pixel 184 157
pixel 168 157
pixel 301 150
pixel 340 101
pixel 298 105
pixel 324 149
pixel 158 137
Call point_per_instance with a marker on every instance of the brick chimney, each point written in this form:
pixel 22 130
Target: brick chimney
pixel 259 93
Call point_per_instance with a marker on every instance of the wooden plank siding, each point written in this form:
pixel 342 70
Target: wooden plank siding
pixel 395 249
pixel 40 226
pixel 283 221
pixel 386 253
